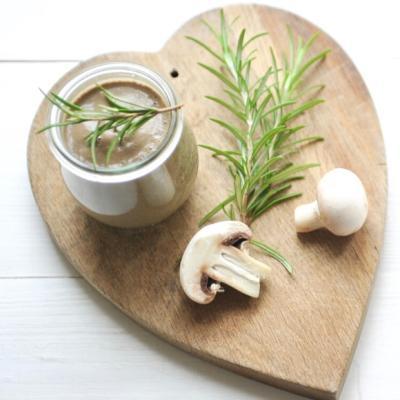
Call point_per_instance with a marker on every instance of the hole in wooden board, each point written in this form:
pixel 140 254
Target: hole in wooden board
pixel 174 73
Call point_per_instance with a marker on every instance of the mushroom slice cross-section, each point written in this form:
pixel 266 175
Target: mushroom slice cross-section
pixel 216 254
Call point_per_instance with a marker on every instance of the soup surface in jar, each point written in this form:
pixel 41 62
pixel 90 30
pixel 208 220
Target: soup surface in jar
pixel 135 148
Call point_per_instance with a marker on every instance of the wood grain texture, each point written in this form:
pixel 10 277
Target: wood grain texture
pixel 301 333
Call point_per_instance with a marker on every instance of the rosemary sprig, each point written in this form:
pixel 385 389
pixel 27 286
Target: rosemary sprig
pixel 264 109
pixel 119 116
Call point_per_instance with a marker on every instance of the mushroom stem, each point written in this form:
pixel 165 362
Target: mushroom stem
pixel 239 270
pixel 238 279
pixel 307 217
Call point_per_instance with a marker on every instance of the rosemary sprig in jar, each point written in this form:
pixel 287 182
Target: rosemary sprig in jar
pixel 121 117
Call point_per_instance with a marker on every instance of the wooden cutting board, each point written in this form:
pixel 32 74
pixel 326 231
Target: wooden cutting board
pixel 301 333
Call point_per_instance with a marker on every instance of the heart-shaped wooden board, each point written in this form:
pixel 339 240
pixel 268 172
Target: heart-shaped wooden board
pixel 300 334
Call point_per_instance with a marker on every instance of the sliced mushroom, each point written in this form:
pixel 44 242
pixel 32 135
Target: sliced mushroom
pixel 216 254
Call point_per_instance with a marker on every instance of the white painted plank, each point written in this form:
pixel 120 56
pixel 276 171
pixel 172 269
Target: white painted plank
pixel 46 29
pixel 59 339
pixel 25 247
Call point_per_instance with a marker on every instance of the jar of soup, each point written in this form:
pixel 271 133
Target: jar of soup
pixel 150 174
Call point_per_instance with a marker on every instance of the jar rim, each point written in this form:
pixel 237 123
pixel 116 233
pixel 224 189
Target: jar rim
pixel 136 169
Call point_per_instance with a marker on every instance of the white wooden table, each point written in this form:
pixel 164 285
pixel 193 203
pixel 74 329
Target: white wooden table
pixel 59 339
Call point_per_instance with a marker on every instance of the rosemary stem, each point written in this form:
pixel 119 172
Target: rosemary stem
pixel 128 115
pixel 168 109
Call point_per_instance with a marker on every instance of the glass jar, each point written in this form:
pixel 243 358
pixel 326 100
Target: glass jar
pixel 141 193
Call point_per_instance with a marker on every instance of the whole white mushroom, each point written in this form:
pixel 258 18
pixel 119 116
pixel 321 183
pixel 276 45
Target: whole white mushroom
pixel 341 205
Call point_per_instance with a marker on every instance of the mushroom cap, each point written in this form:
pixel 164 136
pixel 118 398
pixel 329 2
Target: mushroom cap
pixel 342 202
